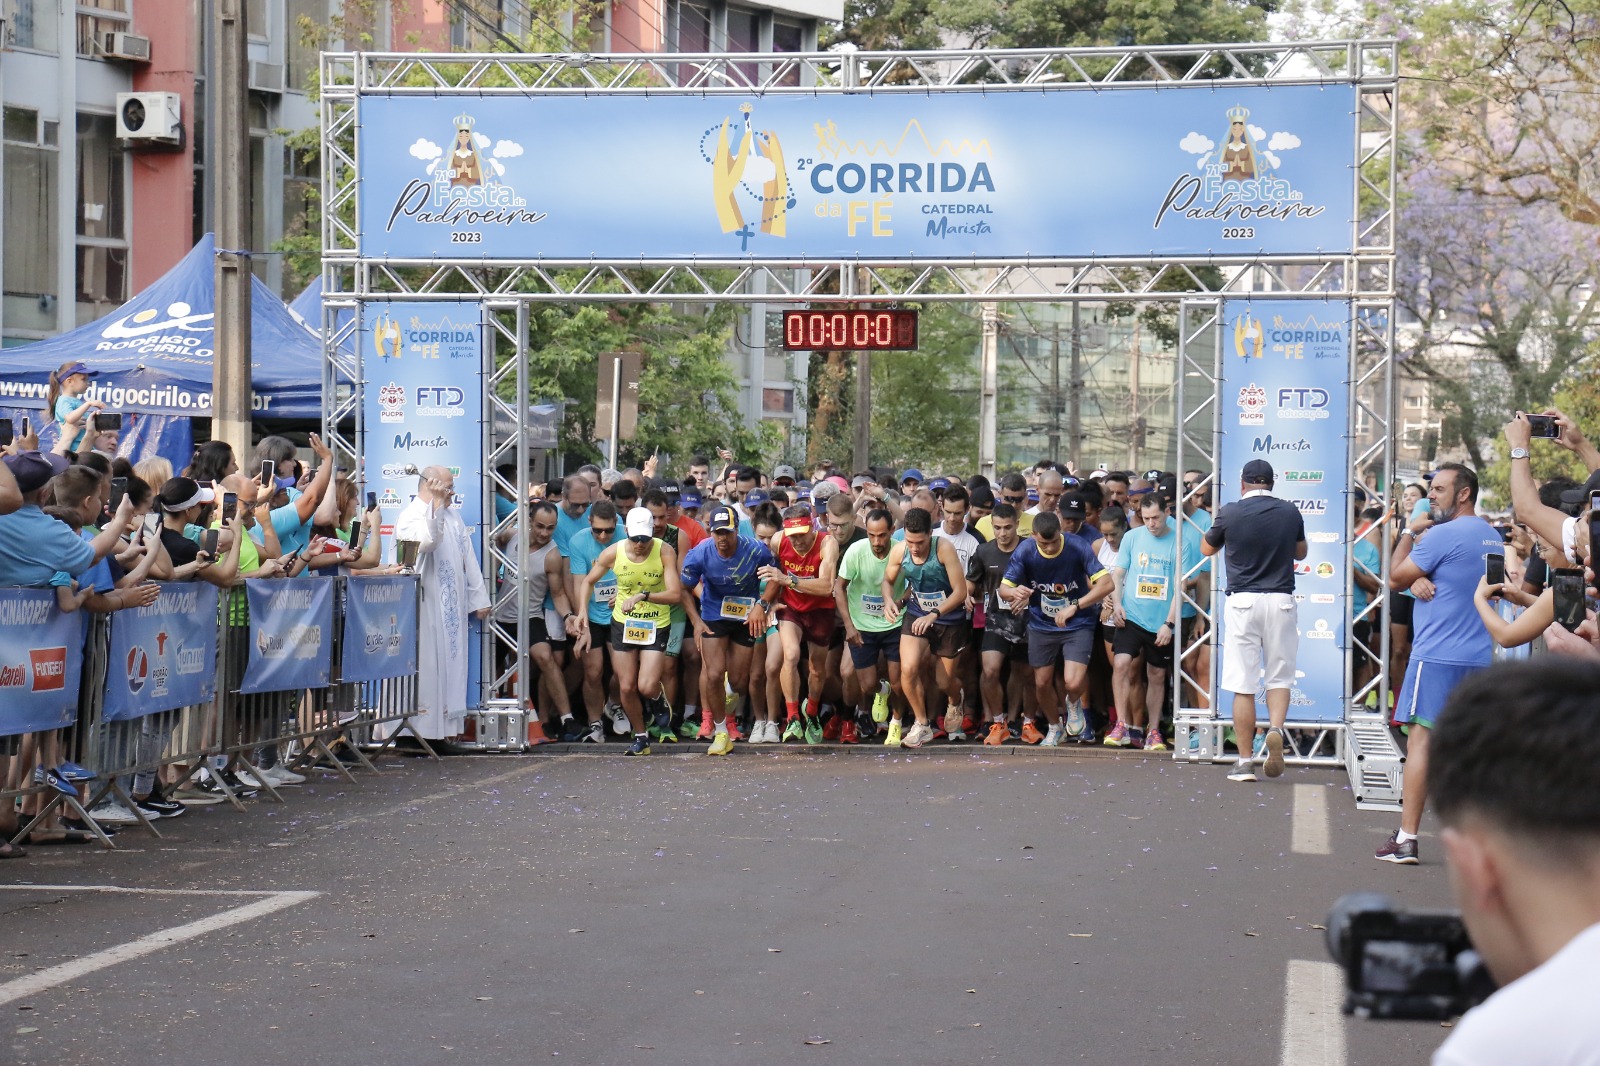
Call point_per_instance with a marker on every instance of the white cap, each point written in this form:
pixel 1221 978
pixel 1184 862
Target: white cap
pixel 641 523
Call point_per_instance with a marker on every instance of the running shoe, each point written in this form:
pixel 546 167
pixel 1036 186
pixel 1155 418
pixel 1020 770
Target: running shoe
pixel 999 733
pixel 640 745
pixel 619 718
pixel 110 812
pixel 71 771
pixel 1398 853
pixel 572 731
pixel 44 775
pixel 1118 737
pixel 893 740
pixel 1030 732
pixel 721 745
pixel 1243 770
pixel 688 730
pixel 154 807
pixel 1153 741
pixel 832 728
pixel 708 728
pixel 813 730
pixel 1135 737
pixel 596 734
pixel 847 732
pixel 919 735
pixel 1274 766
pixel 880 706
pixel 795 730
pixel 953 726
pixel 1052 738
pixel 1076 721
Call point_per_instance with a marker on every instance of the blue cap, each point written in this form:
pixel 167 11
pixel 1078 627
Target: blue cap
pixel 689 498
pixel 939 484
pixel 755 498
pixel 1033 495
pixel 76 368
pixel 722 517
pixel 911 475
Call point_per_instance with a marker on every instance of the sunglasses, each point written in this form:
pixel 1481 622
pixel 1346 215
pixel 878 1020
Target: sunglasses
pixel 603 529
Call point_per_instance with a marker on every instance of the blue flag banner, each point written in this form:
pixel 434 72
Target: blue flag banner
pixel 422 403
pixel 41 662
pixel 380 628
pixel 291 634
pixel 1285 399
pixel 163 655
pixel 1146 170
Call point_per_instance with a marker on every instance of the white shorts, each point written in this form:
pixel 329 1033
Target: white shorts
pixel 1260 635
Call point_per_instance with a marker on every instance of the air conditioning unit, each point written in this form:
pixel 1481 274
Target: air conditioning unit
pixel 128 46
pixel 266 77
pixel 150 118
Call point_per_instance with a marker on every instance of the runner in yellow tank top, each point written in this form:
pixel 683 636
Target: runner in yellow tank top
pixel 648 585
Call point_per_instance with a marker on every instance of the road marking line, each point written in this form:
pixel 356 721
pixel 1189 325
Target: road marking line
pixel 23 987
pixel 1310 831
pixel 1313 1026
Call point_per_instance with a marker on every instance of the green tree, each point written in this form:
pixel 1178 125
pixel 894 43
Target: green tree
pixel 1579 400
pixel 886 24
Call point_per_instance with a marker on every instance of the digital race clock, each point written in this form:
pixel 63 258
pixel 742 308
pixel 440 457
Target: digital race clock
pixel 854 331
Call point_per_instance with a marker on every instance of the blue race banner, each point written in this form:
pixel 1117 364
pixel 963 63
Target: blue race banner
pixel 380 628
pixel 1140 171
pixel 422 403
pixel 291 634
pixel 1285 398
pixel 163 655
pixel 41 662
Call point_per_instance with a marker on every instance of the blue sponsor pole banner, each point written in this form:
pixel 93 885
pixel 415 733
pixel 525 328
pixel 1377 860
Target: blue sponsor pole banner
pixel 1285 398
pixel 291 634
pixel 41 662
pixel 422 403
pixel 163 655
pixel 1193 170
pixel 380 629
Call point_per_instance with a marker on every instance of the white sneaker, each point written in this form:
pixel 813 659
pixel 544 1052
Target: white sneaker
pixel 919 735
pixel 767 733
pixel 619 719
pixel 1052 737
pixel 281 775
pixel 111 812
pixel 597 734
pixel 1243 770
pixel 1076 722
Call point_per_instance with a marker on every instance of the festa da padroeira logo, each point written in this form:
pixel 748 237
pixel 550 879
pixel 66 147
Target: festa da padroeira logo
pixel 465 184
pixel 1239 179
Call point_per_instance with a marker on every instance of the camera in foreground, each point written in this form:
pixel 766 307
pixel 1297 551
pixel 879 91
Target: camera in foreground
pixel 1404 963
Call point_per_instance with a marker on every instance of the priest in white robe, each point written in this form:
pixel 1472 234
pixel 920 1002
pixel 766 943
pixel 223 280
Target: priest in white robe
pixel 451 586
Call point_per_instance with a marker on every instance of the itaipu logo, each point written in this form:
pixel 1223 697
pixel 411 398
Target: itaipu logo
pixel 392 403
pixel 1252 405
pixel 1238 179
pixel 463 185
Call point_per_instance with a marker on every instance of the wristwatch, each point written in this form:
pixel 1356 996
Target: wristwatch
pixel 1519 453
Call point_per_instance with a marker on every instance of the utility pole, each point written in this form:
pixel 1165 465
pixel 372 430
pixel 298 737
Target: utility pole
pixel 230 387
pixel 1054 448
pixel 1075 412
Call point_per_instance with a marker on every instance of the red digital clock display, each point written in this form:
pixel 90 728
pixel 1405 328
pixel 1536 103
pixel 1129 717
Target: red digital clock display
pixel 849 331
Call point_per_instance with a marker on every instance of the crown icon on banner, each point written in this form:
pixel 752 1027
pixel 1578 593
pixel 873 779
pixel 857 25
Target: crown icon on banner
pixel 464 121
pixel 1238 114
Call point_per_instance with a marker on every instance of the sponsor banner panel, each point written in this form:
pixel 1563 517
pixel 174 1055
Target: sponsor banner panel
pixel 163 655
pixel 380 629
pixel 291 634
pixel 1285 399
pixel 422 364
pixel 1146 171
pixel 41 662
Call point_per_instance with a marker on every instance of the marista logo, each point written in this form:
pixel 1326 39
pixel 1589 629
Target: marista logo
pixel 1238 179
pixel 464 185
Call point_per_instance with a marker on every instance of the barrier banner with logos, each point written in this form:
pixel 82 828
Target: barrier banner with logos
pixel 291 634
pixel 1144 170
pixel 380 629
pixel 41 662
pixel 422 403
pixel 163 655
pixel 1285 398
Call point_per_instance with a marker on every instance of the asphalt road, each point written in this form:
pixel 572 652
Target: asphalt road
pixel 807 907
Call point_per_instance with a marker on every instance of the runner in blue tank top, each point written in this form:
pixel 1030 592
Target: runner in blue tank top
pixel 936 619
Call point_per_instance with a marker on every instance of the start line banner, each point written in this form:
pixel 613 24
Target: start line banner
pixel 41 662
pixel 163 655
pixel 1285 398
pixel 380 629
pixel 291 634
pixel 1137 171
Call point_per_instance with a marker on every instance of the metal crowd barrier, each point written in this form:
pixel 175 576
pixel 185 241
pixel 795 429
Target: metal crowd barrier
pixel 303 726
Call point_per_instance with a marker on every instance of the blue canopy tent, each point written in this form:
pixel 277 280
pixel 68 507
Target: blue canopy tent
pixel 307 307
pixel 154 355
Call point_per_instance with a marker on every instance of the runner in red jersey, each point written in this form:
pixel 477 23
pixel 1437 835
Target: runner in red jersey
pixel 807 564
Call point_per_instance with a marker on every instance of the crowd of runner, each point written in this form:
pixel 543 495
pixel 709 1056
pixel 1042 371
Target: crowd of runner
pixel 898 610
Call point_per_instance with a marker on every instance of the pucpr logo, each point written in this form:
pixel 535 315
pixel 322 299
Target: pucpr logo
pixel 1247 334
pixel 138 666
pixel 1252 405
pixel 1320 631
pixel 1302 477
pixel 392 403
pixel 1324 569
pixel 464 186
pixel 1238 181
pixel 1303 403
pixel 49 669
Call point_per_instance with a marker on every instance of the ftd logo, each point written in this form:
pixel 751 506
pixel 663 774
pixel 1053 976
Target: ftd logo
pixel 49 669
pixel 1309 403
pixel 440 401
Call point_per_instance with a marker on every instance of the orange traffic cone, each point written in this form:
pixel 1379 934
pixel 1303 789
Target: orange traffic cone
pixel 536 731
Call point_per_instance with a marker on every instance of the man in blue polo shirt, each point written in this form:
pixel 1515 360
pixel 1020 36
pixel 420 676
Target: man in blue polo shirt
pixel 1448 546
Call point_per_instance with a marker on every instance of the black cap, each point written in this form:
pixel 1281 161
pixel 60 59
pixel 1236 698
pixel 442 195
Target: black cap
pixel 1073 506
pixel 1580 497
pixel 1257 472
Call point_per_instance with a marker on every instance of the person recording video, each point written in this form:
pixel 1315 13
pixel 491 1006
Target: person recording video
pixel 1513 779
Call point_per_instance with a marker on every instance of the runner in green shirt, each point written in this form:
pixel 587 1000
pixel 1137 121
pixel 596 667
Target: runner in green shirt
pixel 858 591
